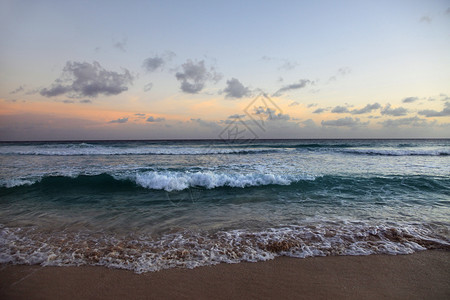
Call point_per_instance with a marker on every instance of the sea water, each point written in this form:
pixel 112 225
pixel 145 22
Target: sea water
pixel 152 205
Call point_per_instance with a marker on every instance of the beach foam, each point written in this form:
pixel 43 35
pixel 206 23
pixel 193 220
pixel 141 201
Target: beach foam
pixel 193 249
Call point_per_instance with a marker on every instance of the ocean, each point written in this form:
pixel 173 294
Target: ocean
pixel 152 205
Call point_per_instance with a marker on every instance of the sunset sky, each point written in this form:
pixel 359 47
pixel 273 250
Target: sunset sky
pixel 194 69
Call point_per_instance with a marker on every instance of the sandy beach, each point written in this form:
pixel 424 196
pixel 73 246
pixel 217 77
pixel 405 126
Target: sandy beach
pixel 416 276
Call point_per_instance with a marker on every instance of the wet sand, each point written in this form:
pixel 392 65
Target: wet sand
pixel 423 275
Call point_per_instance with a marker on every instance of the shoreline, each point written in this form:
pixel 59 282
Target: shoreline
pixel 414 276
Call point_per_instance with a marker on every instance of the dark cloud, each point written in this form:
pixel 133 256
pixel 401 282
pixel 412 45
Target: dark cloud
pixel 413 121
pixel 301 84
pixel 410 99
pixel 235 89
pixel 295 103
pixel 140 115
pixel 152 119
pixel 148 87
pixel 340 110
pixel 366 109
pixel 152 64
pixel 434 113
pixel 279 116
pixel 236 116
pixel 195 75
pixel 158 62
pixel 208 124
pixel 82 79
pixel 319 110
pixel 444 97
pixel 18 90
pixel 32 91
pixel 120 120
pixel 399 111
pixel 271 114
pixel 70 101
pixel 344 122
pixel 311 105
pixel 121 45
pixel 425 19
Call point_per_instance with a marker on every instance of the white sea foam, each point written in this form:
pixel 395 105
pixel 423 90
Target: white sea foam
pixel 176 181
pixel 192 249
pixel 13 182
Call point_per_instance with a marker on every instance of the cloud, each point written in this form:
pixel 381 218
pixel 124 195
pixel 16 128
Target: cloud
pixel 319 110
pixel 301 84
pixel 444 97
pixel 121 45
pixel 18 90
pixel 208 124
pixel 158 62
pixel 344 122
pixel 235 89
pixel 32 91
pixel 288 65
pixel 70 101
pixel 152 119
pixel 195 75
pixel 236 116
pixel 433 113
pixel 82 79
pixel 413 121
pixel 271 114
pixel 120 120
pixel 341 72
pixel 279 117
pixel 399 111
pixel 148 87
pixel 295 103
pixel 152 64
pixel 410 99
pixel 308 123
pixel 311 105
pixel 425 19
pixel 340 110
pixel 366 109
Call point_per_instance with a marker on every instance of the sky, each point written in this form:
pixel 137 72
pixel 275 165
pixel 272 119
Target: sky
pixel 107 70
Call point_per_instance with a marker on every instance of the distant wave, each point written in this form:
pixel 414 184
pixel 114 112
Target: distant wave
pixel 398 152
pixel 219 148
pixel 101 150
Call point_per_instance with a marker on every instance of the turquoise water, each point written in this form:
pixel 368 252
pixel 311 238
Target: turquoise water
pixel 150 205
